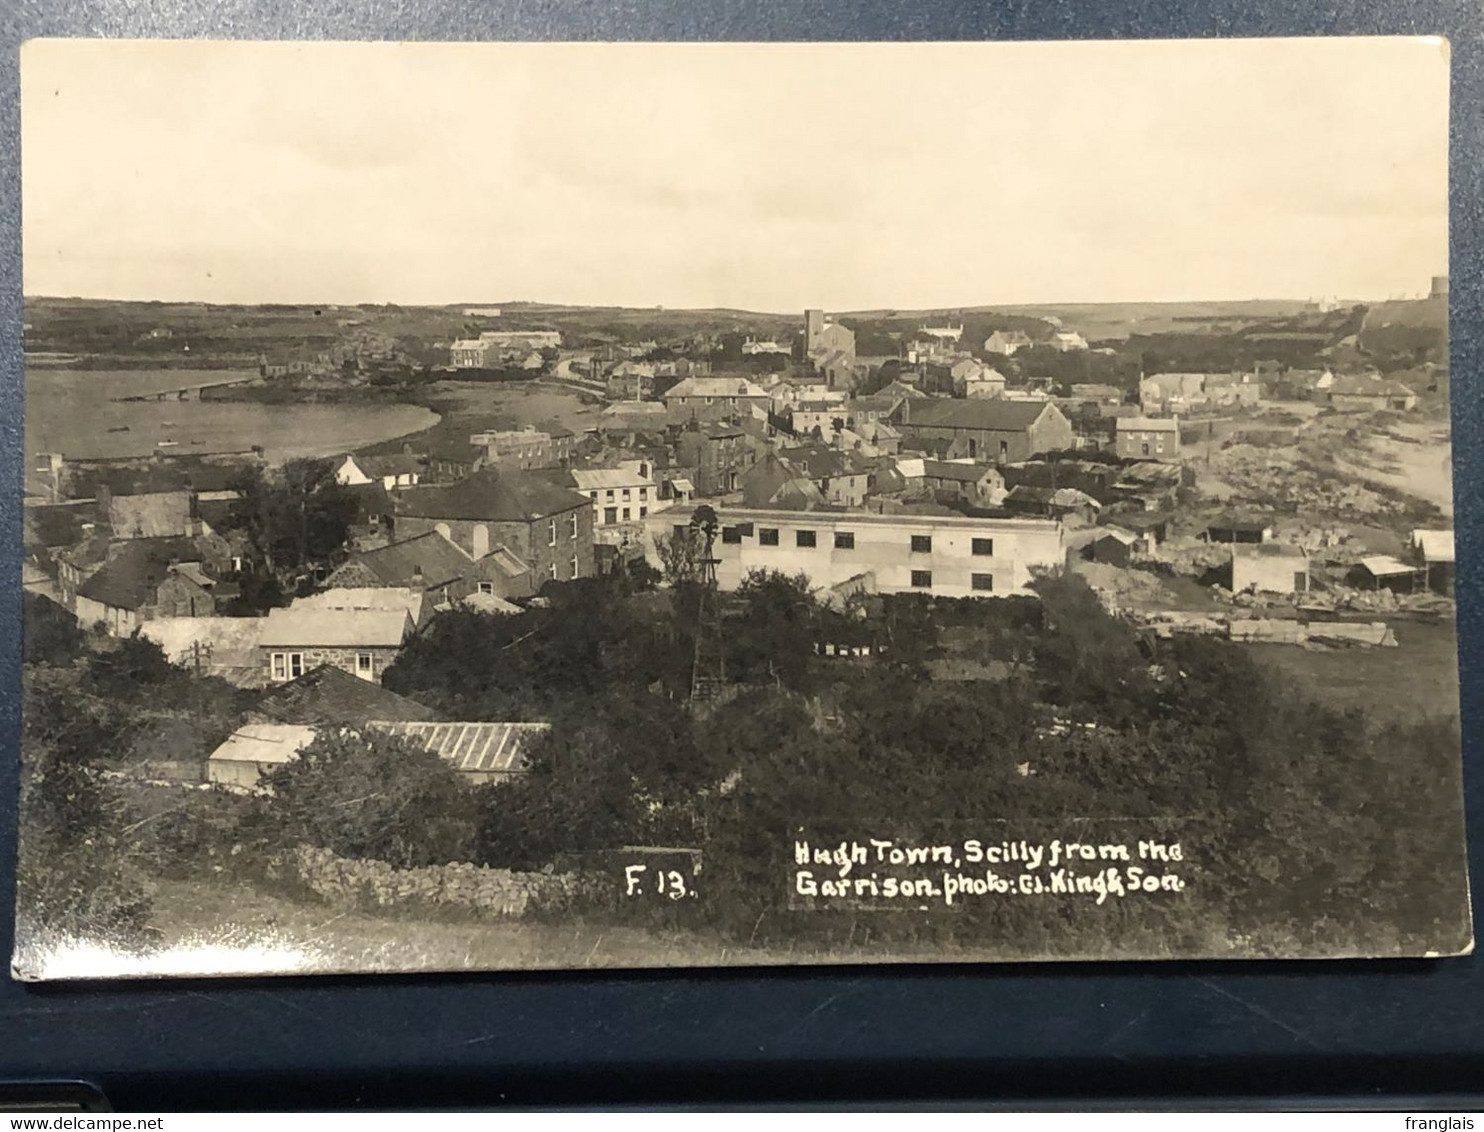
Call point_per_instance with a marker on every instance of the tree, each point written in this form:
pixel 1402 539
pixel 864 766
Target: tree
pixel 771 641
pixel 75 877
pixel 544 664
pixel 75 880
pixel 51 634
pixel 680 556
pixel 296 518
pixel 371 794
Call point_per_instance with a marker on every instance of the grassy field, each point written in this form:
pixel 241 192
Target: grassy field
pixel 1417 679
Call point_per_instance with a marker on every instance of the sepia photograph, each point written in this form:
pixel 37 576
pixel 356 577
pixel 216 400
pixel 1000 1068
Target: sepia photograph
pixel 514 506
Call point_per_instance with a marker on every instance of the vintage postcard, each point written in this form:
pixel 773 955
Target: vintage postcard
pixel 510 506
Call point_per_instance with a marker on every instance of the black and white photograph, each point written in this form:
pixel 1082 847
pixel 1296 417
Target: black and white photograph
pixel 514 506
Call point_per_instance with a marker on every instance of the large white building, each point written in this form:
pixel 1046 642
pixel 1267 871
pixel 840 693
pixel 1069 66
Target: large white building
pixel 949 556
pixel 623 499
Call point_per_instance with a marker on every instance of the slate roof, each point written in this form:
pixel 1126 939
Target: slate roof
pixel 134 571
pixel 491 495
pixel 948 470
pixel 335 628
pixel 819 463
pixel 398 563
pixel 990 415
pixel 590 479
pixel 715 387
pixel 330 695
pixel 1147 424
pixel 154 514
pixel 358 599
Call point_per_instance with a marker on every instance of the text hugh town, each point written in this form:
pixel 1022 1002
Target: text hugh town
pixel 877 869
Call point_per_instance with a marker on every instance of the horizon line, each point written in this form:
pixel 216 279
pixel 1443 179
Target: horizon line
pixel 970 308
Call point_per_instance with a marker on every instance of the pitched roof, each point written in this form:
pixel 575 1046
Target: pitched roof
pixel 264 743
pixel 489 603
pixel 356 599
pixel 992 415
pixel 817 462
pixel 715 387
pixel 330 695
pixel 335 628
pixel 154 514
pixel 634 408
pixel 423 561
pixel 899 388
pixel 950 470
pixel 591 479
pixel 1385 566
pixel 1436 546
pixel 135 569
pixel 488 747
pixel 1051 496
pixel 222 646
pixel 1147 424
pixel 492 495
pixel 1369 387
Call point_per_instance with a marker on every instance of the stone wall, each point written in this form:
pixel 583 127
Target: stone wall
pixel 467 889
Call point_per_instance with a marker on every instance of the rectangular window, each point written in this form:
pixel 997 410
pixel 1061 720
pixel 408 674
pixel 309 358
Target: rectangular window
pixel 574 524
pixel 626 514
pixel 363 664
pixel 922 579
pixel 553 571
pixel 983 582
pixel 844 540
pixel 625 493
pixel 575 568
pixel 551 533
pixel 643 511
pixel 922 544
pixel 803 538
pixel 984 547
pixel 731 535
pixel 593 495
pixel 767 536
pixel 280 667
pixel 487 588
pixel 610 514
pixel 610 494
pixel 644 493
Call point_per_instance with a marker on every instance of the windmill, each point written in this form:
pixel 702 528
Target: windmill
pixel 708 672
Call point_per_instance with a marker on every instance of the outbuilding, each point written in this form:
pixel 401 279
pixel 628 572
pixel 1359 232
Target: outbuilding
pixel 1270 567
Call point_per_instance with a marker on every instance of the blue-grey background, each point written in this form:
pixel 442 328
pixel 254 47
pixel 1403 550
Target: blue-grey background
pixel 914 1034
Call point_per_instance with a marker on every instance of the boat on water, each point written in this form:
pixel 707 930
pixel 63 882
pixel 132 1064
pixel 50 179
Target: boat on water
pixel 167 444
pixel 119 428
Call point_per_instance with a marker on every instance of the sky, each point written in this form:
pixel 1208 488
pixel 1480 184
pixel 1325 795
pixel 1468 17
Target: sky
pixel 762 177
